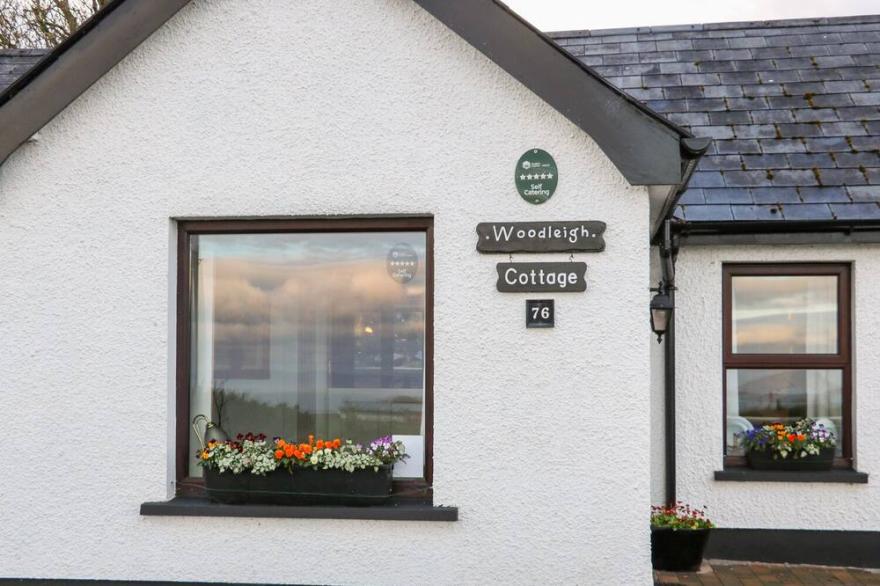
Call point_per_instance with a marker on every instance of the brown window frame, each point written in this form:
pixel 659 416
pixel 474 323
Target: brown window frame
pixel 842 360
pixel 185 485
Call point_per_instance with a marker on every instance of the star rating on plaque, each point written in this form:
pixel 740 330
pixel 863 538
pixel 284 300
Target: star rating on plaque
pixel 402 263
pixel 535 176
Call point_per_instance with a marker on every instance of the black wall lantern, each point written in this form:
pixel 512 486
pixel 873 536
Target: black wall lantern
pixel 661 311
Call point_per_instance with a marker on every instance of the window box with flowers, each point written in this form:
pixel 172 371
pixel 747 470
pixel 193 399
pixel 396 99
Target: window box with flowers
pixel 802 446
pixel 254 470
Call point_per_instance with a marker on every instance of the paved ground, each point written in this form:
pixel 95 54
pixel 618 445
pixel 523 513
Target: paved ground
pixel 716 573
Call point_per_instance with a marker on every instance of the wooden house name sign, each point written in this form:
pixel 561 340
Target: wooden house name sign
pixel 508 237
pixel 541 277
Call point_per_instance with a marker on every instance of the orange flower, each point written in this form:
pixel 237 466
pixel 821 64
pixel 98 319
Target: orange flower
pixel 279 454
pixel 288 450
pixel 280 443
pixel 337 443
pixel 792 437
pixel 311 439
pixel 801 437
pixel 320 445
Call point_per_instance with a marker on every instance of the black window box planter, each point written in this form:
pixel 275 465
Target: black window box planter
pixel 302 487
pixel 810 463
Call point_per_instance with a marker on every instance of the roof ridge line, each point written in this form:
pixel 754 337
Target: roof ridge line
pixel 716 26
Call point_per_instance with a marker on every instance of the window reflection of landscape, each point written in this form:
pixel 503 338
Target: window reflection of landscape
pixel 307 333
pixel 785 314
pixel 787 350
pixel 761 397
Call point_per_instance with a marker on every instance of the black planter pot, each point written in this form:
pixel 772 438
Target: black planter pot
pixel 678 550
pixel 302 487
pixel 229 489
pixel 765 461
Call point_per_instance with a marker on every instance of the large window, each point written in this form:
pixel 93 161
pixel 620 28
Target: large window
pixel 292 328
pixel 787 350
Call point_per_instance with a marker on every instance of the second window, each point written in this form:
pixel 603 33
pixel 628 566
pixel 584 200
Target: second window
pixel 787 350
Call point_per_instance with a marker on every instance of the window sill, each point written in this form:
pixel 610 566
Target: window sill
pixel 200 507
pixel 749 475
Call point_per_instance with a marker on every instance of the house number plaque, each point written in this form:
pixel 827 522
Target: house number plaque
pixel 540 313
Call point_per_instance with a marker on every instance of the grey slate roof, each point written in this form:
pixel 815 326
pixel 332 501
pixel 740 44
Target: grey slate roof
pixel 14 62
pixel 792 106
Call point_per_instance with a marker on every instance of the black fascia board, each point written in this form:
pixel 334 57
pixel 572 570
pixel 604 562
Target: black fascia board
pixel 75 65
pixel 778 232
pixel 692 149
pixel 52 56
pixel 643 145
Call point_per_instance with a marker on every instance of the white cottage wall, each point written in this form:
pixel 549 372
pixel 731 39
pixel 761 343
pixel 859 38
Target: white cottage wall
pixel 270 108
pixel 658 397
pixel 699 405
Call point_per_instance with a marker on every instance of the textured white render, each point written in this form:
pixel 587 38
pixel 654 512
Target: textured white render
pixel 658 400
pixel 699 404
pixel 266 108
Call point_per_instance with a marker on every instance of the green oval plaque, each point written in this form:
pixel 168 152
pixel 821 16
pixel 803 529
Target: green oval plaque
pixel 536 176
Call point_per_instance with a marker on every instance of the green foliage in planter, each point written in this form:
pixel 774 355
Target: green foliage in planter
pixel 801 439
pixel 254 454
pixel 679 516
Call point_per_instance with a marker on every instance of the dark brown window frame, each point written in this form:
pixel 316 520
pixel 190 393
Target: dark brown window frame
pixel 842 360
pixel 410 489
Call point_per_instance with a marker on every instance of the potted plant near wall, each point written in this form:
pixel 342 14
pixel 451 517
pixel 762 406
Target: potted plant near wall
pixel 803 445
pixel 678 537
pixel 253 470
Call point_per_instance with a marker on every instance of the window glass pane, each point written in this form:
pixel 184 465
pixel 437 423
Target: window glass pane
pixel 310 333
pixel 784 314
pixel 759 397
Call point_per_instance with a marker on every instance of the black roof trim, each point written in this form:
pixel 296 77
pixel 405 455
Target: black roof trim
pixel 691 151
pixel 77 63
pixel 644 146
pixel 778 232
pixel 52 56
